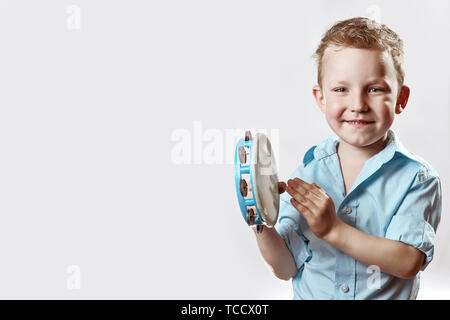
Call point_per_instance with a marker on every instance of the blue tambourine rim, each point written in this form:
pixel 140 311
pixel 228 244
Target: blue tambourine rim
pixel 239 171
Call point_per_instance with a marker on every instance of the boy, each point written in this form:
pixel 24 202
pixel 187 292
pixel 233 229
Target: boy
pixel 359 217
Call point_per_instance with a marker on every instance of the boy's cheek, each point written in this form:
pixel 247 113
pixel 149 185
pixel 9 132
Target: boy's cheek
pixel 334 113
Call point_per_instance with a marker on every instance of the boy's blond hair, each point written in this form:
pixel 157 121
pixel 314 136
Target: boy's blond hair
pixel 362 33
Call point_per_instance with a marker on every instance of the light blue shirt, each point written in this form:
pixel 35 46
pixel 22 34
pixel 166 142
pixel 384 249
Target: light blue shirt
pixel 397 196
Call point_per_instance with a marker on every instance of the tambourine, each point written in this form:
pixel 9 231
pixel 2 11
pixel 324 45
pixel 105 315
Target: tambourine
pixel 256 177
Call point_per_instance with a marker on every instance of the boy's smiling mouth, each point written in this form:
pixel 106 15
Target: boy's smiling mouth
pixel 358 123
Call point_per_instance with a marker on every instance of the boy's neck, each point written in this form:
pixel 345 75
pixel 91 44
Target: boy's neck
pixel 357 155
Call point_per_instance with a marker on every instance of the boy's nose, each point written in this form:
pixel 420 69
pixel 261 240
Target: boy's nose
pixel 359 105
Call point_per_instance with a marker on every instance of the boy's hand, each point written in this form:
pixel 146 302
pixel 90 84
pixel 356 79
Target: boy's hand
pixel 314 205
pixel 281 188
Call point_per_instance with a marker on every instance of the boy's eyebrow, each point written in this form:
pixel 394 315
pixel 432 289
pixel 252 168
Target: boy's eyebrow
pixel 341 82
pixel 371 81
pixel 380 81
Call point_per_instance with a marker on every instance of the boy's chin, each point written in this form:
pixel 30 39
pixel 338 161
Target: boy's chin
pixel 359 140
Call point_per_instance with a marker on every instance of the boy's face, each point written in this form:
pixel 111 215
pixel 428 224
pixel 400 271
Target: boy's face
pixel 359 84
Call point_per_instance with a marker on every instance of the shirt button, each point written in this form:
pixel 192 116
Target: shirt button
pixel 348 210
pixel 344 288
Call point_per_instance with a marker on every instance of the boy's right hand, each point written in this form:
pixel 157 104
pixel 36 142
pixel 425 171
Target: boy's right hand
pixel 281 188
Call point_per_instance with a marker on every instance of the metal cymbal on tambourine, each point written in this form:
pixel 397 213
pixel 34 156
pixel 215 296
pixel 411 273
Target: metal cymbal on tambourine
pixel 256 178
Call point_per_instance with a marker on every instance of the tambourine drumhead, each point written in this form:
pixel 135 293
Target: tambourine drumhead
pixel 257 180
pixel 265 180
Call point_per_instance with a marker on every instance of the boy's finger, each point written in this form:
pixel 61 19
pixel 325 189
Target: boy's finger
pixel 303 182
pixel 304 189
pixel 293 184
pixel 304 200
pixel 301 208
pixel 320 189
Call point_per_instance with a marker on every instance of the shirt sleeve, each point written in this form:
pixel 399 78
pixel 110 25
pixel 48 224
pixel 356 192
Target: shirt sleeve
pixel 418 216
pixel 288 228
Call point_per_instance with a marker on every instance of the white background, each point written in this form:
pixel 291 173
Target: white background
pixel 87 173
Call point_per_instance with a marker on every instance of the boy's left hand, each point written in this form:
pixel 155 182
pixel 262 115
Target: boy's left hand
pixel 314 205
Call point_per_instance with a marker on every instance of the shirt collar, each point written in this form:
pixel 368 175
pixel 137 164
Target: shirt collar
pixel 328 146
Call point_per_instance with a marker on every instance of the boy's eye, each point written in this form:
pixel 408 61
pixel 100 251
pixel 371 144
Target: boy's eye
pixel 376 89
pixel 340 89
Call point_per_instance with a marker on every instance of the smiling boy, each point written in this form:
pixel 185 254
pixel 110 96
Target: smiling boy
pixel 360 206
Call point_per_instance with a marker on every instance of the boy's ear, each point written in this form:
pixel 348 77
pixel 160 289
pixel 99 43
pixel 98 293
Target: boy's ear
pixel 402 99
pixel 320 98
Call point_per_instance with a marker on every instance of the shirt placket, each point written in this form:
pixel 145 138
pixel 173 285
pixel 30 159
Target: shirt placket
pixel 345 272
